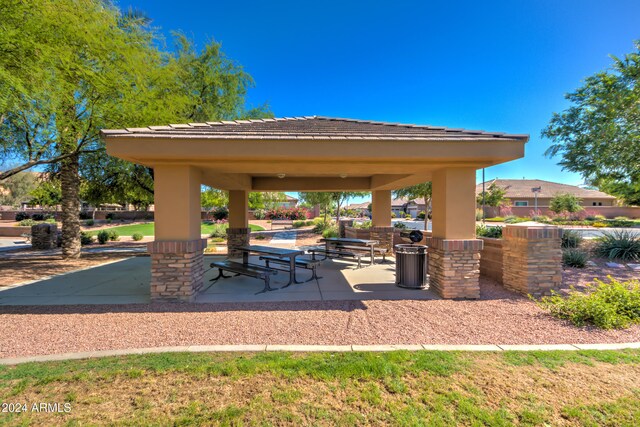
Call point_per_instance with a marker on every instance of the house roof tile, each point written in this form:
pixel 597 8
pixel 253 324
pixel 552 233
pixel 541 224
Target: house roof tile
pixel 522 188
pixel 312 127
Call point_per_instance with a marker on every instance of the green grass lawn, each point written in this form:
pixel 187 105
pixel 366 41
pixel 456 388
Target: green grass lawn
pixel 398 388
pixel 146 229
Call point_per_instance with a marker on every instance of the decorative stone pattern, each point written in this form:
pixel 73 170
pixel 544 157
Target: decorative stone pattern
pixel 454 267
pixel 532 258
pixel 342 226
pixel 177 269
pixel 44 236
pixel 491 259
pixel 237 237
pixel 384 235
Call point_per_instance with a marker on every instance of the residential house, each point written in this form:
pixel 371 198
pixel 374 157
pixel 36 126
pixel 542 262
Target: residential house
pixel 403 206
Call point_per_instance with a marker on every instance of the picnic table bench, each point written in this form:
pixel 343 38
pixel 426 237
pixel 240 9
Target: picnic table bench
pixel 307 264
pixel 251 270
pixel 336 253
pixel 381 251
pixel 283 222
pixel 353 246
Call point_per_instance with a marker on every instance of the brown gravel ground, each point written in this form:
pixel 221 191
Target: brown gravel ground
pixel 499 317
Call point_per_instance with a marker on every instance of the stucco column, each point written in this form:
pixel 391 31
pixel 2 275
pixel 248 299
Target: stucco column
pixel 381 227
pixel 238 232
pixel 454 252
pixel 177 270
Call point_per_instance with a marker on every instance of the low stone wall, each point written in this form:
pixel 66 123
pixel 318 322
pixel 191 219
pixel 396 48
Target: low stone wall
pixel 357 233
pixel 532 258
pixel 609 212
pixel 11 231
pixel 454 267
pixel 491 259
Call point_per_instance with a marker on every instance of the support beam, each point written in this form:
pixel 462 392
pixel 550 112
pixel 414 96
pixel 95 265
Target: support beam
pixel 227 181
pixel 177 203
pixel 454 202
pixel 311 184
pixel 238 209
pixel 381 208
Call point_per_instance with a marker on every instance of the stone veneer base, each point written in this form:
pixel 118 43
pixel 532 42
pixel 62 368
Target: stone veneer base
pixel 177 269
pixel 384 235
pixel 532 258
pixel 454 267
pixel 237 236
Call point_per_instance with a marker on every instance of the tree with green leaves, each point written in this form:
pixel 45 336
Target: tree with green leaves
pixel 47 194
pixel 598 136
pixel 323 199
pixel 71 67
pixel 341 197
pixel 211 198
pixel 565 202
pixel 494 196
pixel 418 191
pixel 16 188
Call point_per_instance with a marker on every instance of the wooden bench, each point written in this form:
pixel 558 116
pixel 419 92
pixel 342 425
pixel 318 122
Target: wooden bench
pixel 283 222
pixel 337 253
pixel 307 264
pixel 382 251
pixel 251 270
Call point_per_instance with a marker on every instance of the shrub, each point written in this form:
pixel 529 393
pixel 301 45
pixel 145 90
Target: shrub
pixel 221 239
pixel 408 216
pixel 137 237
pixel 85 215
pixel 600 217
pixel 565 202
pixel 619 244
pixel 309 222
pixel 331 231
pixel 259 214
pixel 505 210
pixel 619 222
pixel 22 215
pixel 27 222
pixel 541 218
pixel 422 214
pixel 298 224
pixel 103 237
pixel 599 224
pixel 110 216
pixel 220 213
pixel 259 237
pixel 574 257
pixel 321 226
pixel 621 218
pixel 89 222
pixel 113 235
pixel 296 213
pixel 109 220
pixel 591 215
pixel 571 239
pixel 50 221
pixel 400 225
pixel 37 217
pixel 484 231
pixel 85 238
pixel 219 230
pixel 364 225
pixel 605 305
pixel 393 215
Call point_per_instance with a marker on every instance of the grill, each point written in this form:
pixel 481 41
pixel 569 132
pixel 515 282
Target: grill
pixel 411 261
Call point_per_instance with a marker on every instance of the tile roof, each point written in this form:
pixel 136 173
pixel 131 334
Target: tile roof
pixel 403 201
pixel 311 127
pixel 522 188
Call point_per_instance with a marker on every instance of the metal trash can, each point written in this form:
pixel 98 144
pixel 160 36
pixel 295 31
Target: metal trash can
pixel 411 266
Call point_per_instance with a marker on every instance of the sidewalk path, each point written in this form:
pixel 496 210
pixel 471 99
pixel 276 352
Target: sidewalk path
pixel 284 238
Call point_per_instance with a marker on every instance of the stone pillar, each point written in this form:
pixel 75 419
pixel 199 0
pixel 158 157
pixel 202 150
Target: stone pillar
pixel 238 233
pixel 237 236
pixel 177 269
pixel 344 223
pixel 454 252
pixel 384 235
pixel 44 236
pixel 532 263
pixel 454 267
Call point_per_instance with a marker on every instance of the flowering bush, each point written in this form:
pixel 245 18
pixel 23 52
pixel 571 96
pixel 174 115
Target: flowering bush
pixel 505 211
pixel 288 213
pixel 220 213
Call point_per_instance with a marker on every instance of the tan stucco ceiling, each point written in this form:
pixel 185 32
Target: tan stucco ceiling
pixel 313 153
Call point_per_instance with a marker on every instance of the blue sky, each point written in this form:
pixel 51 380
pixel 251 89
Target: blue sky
pixel 499 65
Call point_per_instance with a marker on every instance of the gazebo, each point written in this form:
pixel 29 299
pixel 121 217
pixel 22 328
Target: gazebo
pixel 311 153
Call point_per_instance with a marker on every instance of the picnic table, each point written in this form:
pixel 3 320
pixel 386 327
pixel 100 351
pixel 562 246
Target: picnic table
pixel 281 253
pixel 351 244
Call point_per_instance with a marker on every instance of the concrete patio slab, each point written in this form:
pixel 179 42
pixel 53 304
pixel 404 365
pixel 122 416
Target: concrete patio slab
pixel 127 282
